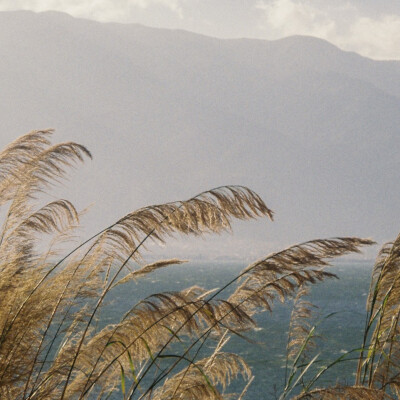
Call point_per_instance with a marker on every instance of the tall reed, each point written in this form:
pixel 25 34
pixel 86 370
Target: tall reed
pixel 51 348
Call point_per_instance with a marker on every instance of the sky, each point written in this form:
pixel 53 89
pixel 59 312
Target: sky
pixel 368 27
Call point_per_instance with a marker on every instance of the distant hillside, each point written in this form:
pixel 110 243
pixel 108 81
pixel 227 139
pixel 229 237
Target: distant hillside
pixel 167 114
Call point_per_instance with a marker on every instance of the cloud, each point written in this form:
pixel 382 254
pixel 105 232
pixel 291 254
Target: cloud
pixel 377 38
pixel 101 10
pixel 287 17
pixel 341 24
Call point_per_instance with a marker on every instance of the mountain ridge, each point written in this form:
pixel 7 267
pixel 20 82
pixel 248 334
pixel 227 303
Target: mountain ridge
pixel 167 114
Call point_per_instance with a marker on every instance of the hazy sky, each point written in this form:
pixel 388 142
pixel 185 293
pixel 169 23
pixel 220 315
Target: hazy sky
pixel 368 27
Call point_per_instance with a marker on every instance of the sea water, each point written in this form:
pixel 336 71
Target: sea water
pixel 340 319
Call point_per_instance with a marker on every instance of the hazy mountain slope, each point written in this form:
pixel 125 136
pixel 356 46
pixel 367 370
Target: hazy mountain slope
pixel 169 113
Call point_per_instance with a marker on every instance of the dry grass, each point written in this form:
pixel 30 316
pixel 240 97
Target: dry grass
pixel 50 347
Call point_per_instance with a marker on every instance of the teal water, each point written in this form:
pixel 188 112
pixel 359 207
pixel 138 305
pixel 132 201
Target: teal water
pixel 339 333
